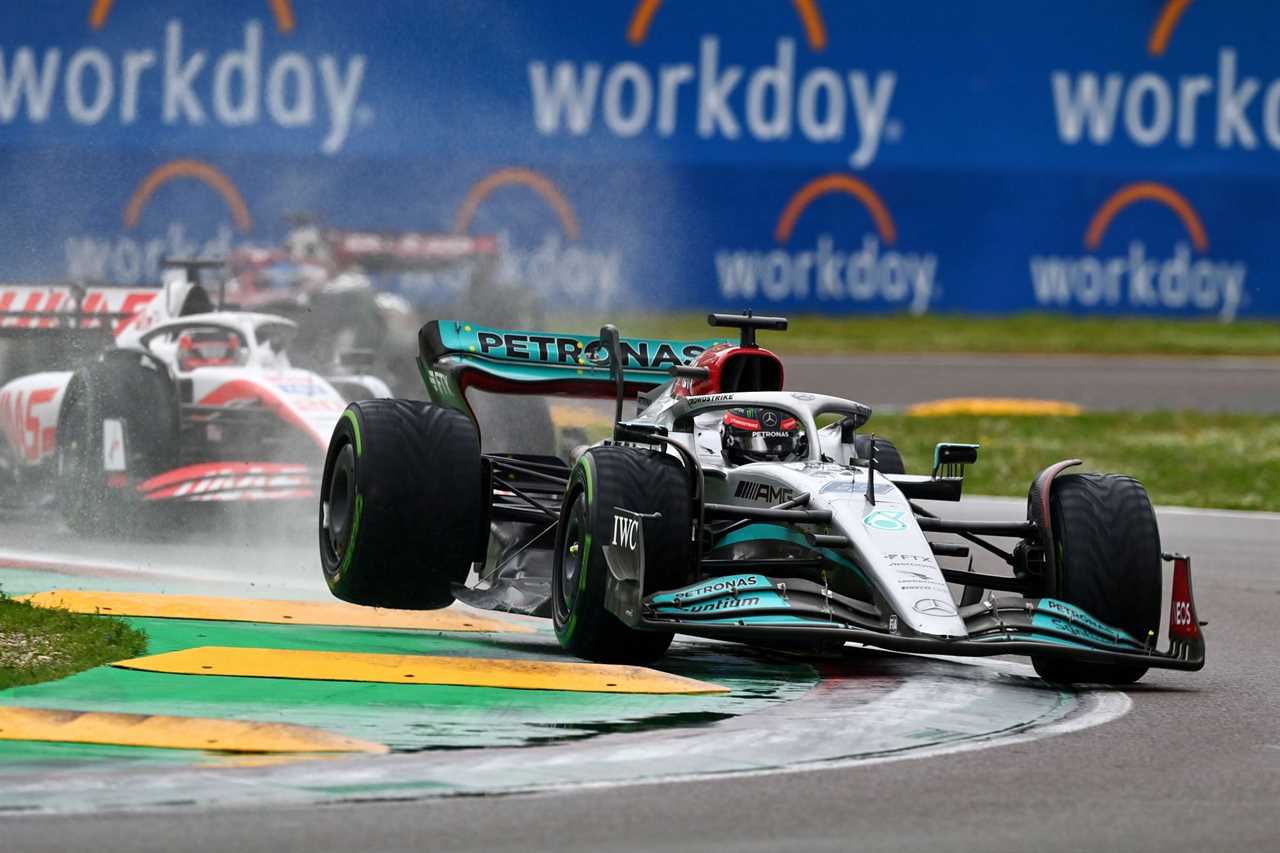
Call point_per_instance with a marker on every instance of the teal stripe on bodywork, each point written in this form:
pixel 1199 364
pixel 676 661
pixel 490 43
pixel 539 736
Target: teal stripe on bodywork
pixel 778 533
pixel 771 619
pixel 529 365
pixel 715 588
pixel 1056 623
pixel 1064 616
pixel 743 602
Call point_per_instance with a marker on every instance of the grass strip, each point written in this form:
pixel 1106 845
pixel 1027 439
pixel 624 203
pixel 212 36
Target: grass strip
pixel 1185 458
pixel 40 644
pixel 1228 461
pixel 1018 333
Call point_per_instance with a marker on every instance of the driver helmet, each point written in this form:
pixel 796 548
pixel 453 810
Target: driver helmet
pixel 208 348
pixel 756 434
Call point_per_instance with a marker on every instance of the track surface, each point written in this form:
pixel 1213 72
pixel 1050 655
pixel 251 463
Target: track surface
pixel 1095 382
pixel 1195 765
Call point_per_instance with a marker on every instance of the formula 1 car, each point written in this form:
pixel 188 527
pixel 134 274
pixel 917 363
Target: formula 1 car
pixel 729 508
pixel 367 290
pixel 367 293
pixel 188 403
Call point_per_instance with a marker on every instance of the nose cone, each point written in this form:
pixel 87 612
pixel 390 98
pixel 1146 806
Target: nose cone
pixel 896 555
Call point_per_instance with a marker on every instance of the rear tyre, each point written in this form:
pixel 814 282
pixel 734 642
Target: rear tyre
pixel 133 390
pixel 1108 564
pixel 402 508
pixel 888 459
pixel 603 479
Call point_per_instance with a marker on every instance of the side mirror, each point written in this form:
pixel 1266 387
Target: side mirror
pixel 688 371
pixel 949 459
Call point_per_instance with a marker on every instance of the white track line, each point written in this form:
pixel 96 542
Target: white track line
pixel 1101 708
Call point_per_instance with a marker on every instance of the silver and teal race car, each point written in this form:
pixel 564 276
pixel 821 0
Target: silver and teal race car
pixel 728 507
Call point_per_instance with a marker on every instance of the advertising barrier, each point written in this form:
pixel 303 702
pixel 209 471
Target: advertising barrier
pixel 806 156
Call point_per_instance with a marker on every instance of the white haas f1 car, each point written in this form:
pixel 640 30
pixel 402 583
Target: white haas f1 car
pixel 730 508
pixel 188 404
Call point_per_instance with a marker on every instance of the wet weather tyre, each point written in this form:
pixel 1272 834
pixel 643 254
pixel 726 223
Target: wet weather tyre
pixel 1108 563
pixel 604 478
pixel 888 459
pixel 132 390
pixel 402 508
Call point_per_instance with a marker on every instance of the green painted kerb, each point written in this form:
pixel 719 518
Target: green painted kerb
pixel 355 427
pixel 406 717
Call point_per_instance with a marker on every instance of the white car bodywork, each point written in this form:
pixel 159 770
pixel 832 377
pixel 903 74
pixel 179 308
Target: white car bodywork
pixel 255 372
pixel 886 541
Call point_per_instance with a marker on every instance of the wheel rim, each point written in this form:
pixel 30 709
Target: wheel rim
pixel 339 503
pixel 572 557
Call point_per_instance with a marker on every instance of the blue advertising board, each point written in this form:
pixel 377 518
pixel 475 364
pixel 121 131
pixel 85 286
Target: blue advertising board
pixel 987 156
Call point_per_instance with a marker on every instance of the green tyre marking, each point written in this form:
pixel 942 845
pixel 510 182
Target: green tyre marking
pixel 586 552
pixel 351 540
pixel 355 428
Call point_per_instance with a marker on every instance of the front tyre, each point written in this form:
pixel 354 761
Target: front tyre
pixel 1108 564
pixel 603 479
pixel 402 511
pixel 118 427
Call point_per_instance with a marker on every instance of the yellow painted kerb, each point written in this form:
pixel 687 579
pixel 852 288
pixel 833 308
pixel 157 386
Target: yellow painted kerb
pixel 267 610
pixel 420 669
pixel 999 406
pixel 203 733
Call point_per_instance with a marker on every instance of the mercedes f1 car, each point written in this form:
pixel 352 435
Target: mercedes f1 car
pixel 730 508
pixel 188 403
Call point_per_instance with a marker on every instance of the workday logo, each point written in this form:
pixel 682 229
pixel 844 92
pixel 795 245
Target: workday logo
pixel 825 272
pixel 130 258
pixel 1135 280
pixel 173 79
pixel 1225 108
pixel 559 264
pixel 715 97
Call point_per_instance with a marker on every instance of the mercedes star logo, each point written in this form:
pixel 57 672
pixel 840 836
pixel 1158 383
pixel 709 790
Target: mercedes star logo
pixel 934 607
pixel 769 419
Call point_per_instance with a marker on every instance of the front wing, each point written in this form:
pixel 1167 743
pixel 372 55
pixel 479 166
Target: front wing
pixel 231 482
pixel 754 607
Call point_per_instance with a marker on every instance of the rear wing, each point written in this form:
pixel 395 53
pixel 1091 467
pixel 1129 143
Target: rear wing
pixel 30 309
pixel 406 251
pixel 455 356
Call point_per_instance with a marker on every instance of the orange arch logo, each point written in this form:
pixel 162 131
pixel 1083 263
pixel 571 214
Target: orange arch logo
pixel 202 172
pixel 832 184
pixel 518 177
pixel 1146 191
pixel 281 10
pixel 1166 23
pixel 815 31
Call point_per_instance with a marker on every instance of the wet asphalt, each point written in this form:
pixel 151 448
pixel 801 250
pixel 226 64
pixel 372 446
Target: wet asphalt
pixel 1195 765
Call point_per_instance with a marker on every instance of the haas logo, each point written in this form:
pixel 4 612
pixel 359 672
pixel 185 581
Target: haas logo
pixel 626 532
